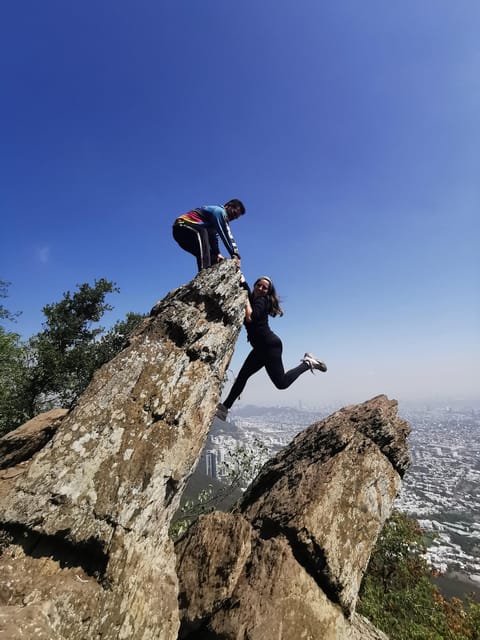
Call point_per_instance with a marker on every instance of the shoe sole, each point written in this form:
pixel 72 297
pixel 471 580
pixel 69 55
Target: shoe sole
pixel 319 365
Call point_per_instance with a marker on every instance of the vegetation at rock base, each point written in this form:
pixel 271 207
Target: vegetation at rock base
pixel 53 367
pixel 13 359
pixel 397 592
pixel 237 471
pixel 399 597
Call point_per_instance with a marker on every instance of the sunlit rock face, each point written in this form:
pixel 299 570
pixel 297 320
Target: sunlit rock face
pixel 85 521
pixel 288 562
pixel 22 443
pixel 87 496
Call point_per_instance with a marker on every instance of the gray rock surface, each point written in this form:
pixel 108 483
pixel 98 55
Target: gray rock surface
pixel 85 523
pixel 87 496
pixel 288 562
pixel 22 443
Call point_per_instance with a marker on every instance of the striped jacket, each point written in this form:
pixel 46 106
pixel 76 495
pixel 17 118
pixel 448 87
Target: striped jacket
pixel 213 217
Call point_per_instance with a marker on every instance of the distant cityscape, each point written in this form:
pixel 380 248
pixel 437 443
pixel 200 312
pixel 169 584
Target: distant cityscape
pixel 441 489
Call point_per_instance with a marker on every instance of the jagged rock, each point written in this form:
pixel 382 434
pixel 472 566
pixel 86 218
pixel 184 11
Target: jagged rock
pixel 288 562
pixel 97 500
pixel 20 444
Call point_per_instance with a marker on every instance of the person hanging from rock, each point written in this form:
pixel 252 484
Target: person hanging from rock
pixel 266 346
pixel 197 232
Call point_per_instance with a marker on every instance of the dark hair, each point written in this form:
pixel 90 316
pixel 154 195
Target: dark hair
pixel 237 204
pixel 274 301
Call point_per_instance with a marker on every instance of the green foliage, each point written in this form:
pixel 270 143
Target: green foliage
pixel 55 366
pixel 65 352
pixel 399 597
pixel 116 338
pixel 12 369
pixel 473 620
pixel 191 510
pixel 238 469
pixel 13 374
pixel 5 314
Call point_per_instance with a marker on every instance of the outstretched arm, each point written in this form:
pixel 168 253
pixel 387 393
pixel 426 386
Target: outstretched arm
pixel 248 311
pixel 221 226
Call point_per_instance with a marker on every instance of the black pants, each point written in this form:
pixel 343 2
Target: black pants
pixel 268 355
pixel 196 241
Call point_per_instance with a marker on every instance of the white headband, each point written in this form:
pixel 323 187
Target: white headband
pixel 269 280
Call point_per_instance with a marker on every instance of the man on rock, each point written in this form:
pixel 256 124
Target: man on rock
pixel 197 232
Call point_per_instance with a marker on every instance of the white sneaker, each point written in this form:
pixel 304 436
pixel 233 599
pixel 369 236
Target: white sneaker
pixel 314 363
pixel 221 412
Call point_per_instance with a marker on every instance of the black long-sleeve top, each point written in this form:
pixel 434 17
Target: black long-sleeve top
pixel 258 329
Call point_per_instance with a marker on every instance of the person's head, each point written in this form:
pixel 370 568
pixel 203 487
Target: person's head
pixel 264 287
pixel 234 209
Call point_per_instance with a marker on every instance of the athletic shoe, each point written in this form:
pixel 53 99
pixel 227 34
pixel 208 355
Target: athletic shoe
pixel 314 363
pixel 221 412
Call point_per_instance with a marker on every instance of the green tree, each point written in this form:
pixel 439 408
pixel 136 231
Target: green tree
pixel 63 354
pixel 13 375
pixel 12 369
pixel 56 365
pixel 72 346
pixel 5 314
pixel 117 337
pixel 398 594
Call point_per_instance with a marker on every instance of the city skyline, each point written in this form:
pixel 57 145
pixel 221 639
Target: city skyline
pixel 440 488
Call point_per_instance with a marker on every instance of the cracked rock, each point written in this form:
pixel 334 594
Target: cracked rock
pixel 103 489
pixel 289 560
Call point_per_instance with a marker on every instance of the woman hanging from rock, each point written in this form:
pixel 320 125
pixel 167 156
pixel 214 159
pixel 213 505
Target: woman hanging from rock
pixel 266 346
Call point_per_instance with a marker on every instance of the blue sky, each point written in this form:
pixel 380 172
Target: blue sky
pixel 350 130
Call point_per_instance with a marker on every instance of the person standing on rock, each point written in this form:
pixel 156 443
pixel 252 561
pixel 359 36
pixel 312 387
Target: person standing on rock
pixel 197 232
pixel 267 346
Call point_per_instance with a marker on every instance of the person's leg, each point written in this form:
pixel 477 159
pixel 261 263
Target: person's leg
pixel 274 366
pixel 213 245
pixel 194 241
pixel 254 362
pixel 204 241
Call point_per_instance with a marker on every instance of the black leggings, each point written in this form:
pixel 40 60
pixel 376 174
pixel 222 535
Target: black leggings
pixel 269 355
pixel 196 241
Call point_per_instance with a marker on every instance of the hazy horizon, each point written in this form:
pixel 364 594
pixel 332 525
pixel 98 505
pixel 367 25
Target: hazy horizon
pixel 350 130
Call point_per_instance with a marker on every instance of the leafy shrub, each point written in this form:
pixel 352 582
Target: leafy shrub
pixel 398 594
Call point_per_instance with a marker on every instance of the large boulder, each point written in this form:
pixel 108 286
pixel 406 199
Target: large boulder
pixel 288 562
pixel 22 443
pixel 85 524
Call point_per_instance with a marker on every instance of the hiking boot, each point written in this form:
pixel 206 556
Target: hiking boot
pixel 221 412
pixel 314 363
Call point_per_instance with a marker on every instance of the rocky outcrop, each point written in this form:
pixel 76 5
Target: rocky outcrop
pixel 24 442
pixel 288 562
pixel 86 552
pixel 86 499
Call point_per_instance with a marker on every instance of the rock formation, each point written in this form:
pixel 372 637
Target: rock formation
pixel 86 499
pixel 288 562
pixel 24 442
pixel 85 524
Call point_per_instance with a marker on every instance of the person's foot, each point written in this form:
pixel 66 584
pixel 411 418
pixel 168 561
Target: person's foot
pixel 221 412
pixel 314 363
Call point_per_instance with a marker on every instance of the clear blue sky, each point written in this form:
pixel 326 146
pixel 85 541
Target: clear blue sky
pixel 350 129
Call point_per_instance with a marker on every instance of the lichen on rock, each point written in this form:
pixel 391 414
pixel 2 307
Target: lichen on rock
pixel 106 485
pixel 310 521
